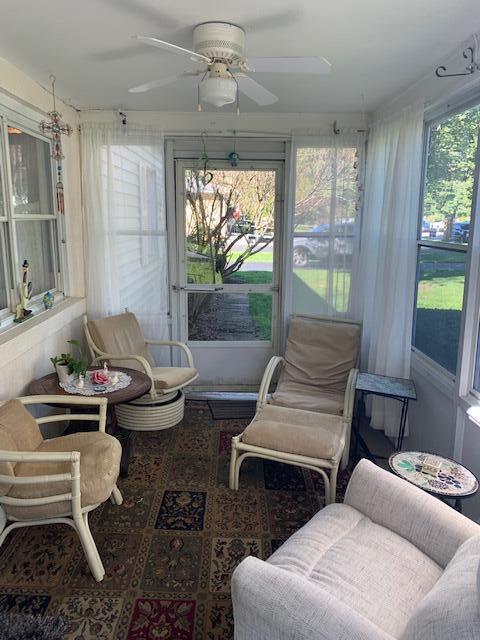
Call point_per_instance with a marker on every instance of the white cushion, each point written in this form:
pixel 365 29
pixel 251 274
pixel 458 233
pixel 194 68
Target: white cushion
pixel 369 568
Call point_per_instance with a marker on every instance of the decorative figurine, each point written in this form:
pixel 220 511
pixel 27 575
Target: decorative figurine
pixel 25 288
pixel 431 466
pixel 48 300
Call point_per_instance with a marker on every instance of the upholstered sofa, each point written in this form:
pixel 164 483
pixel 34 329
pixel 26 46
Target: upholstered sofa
pixel 390 562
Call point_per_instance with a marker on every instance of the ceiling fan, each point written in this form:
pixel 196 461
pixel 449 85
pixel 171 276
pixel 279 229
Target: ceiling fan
pixel 220 48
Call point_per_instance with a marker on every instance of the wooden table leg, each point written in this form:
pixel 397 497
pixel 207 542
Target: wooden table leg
pixel 123 436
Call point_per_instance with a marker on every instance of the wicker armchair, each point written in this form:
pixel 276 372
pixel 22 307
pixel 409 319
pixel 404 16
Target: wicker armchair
pixel 59 480
pixel 307 420
pixel 119 339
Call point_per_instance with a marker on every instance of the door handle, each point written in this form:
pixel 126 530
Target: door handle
pixel 209 289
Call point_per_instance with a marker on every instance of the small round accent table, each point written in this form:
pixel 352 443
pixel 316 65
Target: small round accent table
pixel 453 480
pixel 139 386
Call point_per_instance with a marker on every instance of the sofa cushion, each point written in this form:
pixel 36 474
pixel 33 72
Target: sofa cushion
pixel 20 424
pixel 295 431
pixel 380 575
pixel 451 610
pixel 100 456
pixel 169 377
pixel 320 352
pixel 308 397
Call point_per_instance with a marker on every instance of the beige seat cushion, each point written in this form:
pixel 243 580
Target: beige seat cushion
pixel 303 433
pixel 100 456
pixel 320 353
pixel 18 432
pixel 20 424
pixel 369 568
pixel 120 334
pixel 170 377
pixel 301 396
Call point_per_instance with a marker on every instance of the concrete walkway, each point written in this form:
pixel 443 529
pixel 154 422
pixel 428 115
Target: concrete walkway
pixel 225 317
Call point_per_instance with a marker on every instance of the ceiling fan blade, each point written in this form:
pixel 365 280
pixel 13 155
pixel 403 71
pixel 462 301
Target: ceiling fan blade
pixel 313 65
pixel 121 53
pixel 162 82
pixel 255 91
pixel 144 11
pixel 272 21
pixel 173 48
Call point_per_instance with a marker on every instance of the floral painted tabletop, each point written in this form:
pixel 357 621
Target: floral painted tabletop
pixel 453 479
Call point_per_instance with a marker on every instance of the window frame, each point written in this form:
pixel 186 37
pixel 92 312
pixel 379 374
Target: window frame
pixel 9 220
pixel 468 336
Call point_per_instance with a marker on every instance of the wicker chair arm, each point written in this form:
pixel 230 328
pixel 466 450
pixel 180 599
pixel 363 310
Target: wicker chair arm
pixel 174 343
pixel 349 401
pixel 267 379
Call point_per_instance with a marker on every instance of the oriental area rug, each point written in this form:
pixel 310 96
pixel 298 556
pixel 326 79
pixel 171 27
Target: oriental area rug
pixel 170 549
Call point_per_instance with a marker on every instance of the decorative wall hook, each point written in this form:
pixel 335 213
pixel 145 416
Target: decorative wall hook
pixel 336 130
pixel 472 66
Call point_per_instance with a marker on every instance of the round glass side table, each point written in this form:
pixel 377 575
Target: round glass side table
pixel 453 481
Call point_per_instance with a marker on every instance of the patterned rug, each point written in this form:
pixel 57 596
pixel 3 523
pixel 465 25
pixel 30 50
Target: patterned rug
pixel 170 549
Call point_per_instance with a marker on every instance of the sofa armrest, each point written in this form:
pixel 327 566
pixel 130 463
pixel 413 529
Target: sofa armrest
pixel 274 604
pixel 425 521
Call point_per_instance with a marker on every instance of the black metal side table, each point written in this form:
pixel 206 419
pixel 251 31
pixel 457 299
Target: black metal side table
pixel 401 389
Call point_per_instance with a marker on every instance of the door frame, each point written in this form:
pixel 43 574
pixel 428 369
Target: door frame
pixel 180 287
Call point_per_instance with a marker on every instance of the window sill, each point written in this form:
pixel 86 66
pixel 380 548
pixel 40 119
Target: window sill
pixel 20 338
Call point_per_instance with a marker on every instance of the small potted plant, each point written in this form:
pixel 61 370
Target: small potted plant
pixel 67 364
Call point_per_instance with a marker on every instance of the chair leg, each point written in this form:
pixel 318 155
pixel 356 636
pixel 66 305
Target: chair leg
pixel 116 497
pixel 89 547
pixel 233 463
pixel 333 485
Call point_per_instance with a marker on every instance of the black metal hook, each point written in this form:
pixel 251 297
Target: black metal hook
pixel 472 66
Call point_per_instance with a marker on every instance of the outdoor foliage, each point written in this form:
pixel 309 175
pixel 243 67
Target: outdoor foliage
pixel 450 169
pixel 243 201
pixel 324 173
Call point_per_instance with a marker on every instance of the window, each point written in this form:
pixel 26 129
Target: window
pixel 443 238
pixel 326 227
pixel 28 221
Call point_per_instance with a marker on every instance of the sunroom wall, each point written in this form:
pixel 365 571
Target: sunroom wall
pixel 25 349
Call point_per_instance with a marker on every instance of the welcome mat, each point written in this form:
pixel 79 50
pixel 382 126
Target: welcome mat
pixel 231 409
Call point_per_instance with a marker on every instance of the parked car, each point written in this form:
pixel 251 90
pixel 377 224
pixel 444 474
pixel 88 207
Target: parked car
pixel 460 231
pixel 317 247
pixel 428 230
pixel 242 226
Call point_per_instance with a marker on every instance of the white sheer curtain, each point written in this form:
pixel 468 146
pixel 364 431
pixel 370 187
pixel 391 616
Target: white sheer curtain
pixel 388 252
pixel 326 194
pixel 126 236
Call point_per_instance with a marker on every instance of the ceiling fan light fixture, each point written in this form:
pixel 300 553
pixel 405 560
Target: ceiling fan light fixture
pixel 217 91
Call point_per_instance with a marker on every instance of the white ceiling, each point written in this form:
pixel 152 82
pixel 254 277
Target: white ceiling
pixel 376 47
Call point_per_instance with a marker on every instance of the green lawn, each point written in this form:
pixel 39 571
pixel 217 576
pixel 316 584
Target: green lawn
pixel 260 303
pixel 441 293
pixel 263 256
pixel 310 290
